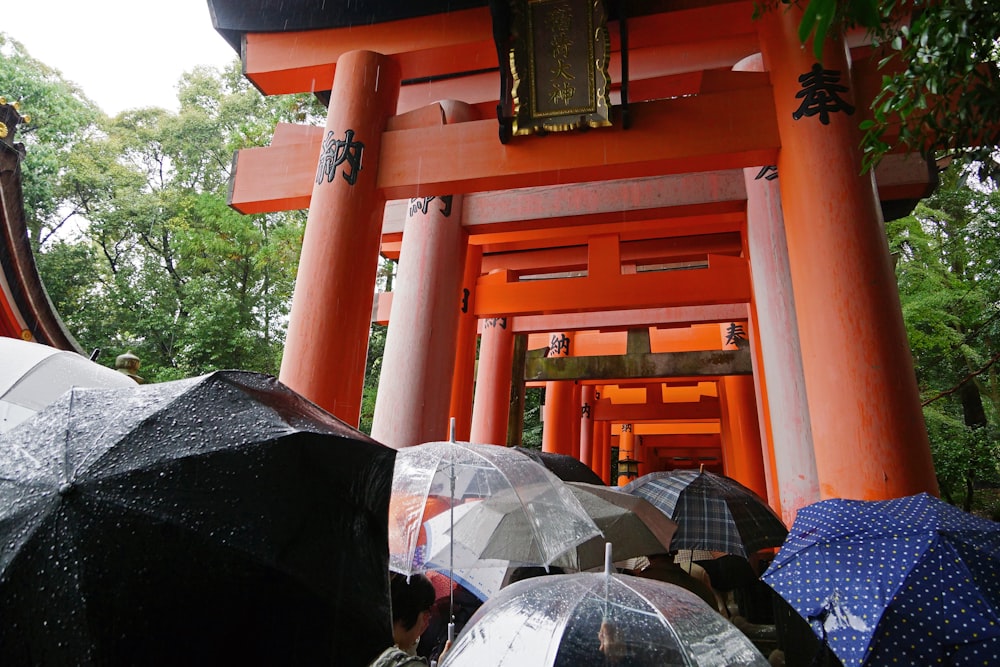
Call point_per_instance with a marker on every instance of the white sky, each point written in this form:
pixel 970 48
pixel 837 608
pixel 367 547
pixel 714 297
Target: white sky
pixel 122 53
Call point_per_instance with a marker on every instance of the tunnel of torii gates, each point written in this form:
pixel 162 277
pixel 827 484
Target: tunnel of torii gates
pixel 710 286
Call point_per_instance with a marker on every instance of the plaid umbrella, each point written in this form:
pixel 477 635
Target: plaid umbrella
pixel 713 512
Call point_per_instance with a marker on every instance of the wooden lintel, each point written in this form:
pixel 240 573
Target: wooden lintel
pixel 694 441
pixel 713 363
pixel 609 320
pixel 713 131
pixel 625 319
pixel 905 176
pixel 726 280
pixel 657 193
pixel 703 133
pixel 280 63
pixel 707 408
pixel 679 221
pixel 499 217
pixel 646 251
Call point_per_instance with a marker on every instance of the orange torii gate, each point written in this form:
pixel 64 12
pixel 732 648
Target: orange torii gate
pixel 833 379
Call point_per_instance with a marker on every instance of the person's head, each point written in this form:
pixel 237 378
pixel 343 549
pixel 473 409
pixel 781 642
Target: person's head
pixel 530 572
pixel 411 604
pixel 610 642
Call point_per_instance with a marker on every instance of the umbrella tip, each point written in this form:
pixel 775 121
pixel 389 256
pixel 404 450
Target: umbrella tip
pixel 607 558
pixel 452 429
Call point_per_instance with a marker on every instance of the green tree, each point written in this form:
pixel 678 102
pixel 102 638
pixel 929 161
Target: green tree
pixel 61 117
pixel 161 265
pixel 946 254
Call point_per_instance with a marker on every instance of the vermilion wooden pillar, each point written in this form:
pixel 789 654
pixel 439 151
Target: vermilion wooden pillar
pixel 414 392
pixel 626 450
pixel 641 455
pixel 780 354
pixel 868 431
pixel 587 454
pixel 559 410
pixel 575 422
pixel 763 415
pixel 464 379
pixel 492 402
pixel 327 340
pixel 742 455
pixel 604 432
pixel 418 365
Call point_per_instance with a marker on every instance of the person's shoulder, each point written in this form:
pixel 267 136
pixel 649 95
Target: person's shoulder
pixel 396 657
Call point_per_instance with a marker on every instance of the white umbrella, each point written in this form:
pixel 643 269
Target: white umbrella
pixel 33 376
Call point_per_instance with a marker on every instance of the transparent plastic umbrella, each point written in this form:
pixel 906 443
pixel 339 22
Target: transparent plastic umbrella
pixel 441 477
pixel 633 526
pixel 589 619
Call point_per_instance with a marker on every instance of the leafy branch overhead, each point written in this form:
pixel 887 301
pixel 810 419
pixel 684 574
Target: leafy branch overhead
pixel 940 90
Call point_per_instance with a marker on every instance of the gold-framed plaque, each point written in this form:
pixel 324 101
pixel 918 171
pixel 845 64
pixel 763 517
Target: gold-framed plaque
pixel 559 65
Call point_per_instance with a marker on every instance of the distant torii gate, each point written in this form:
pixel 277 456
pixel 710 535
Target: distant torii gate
pixel 809 265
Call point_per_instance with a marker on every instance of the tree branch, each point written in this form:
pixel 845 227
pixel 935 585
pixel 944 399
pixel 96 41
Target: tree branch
pixel 967 378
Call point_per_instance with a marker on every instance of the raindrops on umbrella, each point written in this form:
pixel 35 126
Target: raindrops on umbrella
pixel 214 509
pixel 912 579
pixel 573 620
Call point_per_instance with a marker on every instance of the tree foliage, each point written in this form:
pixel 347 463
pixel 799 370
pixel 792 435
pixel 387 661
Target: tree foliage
pixel 61 117
pixel 159 264
pixel 946 255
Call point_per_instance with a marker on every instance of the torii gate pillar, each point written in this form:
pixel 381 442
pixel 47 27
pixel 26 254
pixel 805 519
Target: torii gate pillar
pixel 587 456
pixel 491 406
pixel 414 401
pixel 327 341
pixel 864 408
pixel 464 379
pixel 626 450
pixel 743 458
pixel 414 393
pixel 560 408
pixel 797 484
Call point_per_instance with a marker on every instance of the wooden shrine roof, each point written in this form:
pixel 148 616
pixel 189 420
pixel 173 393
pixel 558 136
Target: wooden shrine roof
pixel 25 309
pixel 233 18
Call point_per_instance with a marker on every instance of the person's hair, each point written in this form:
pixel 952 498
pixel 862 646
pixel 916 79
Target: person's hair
pixel 409 598
pixel 530 572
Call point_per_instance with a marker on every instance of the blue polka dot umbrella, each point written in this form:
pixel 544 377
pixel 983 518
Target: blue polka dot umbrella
pixel 911 581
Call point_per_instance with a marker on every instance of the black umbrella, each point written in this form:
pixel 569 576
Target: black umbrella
pixel 565 467
pixel 203 521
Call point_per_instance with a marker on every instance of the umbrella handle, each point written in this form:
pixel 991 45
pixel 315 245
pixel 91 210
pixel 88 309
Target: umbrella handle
pixel 451 631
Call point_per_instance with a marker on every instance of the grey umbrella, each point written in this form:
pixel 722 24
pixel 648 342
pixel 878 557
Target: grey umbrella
pixel 632 525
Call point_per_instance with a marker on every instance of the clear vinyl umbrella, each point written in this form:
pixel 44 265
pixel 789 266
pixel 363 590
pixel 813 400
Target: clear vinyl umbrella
pixel 529 516
pixel 630 524
pixel 593 619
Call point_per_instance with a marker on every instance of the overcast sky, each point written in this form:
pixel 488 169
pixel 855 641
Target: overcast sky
pixel 122 53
